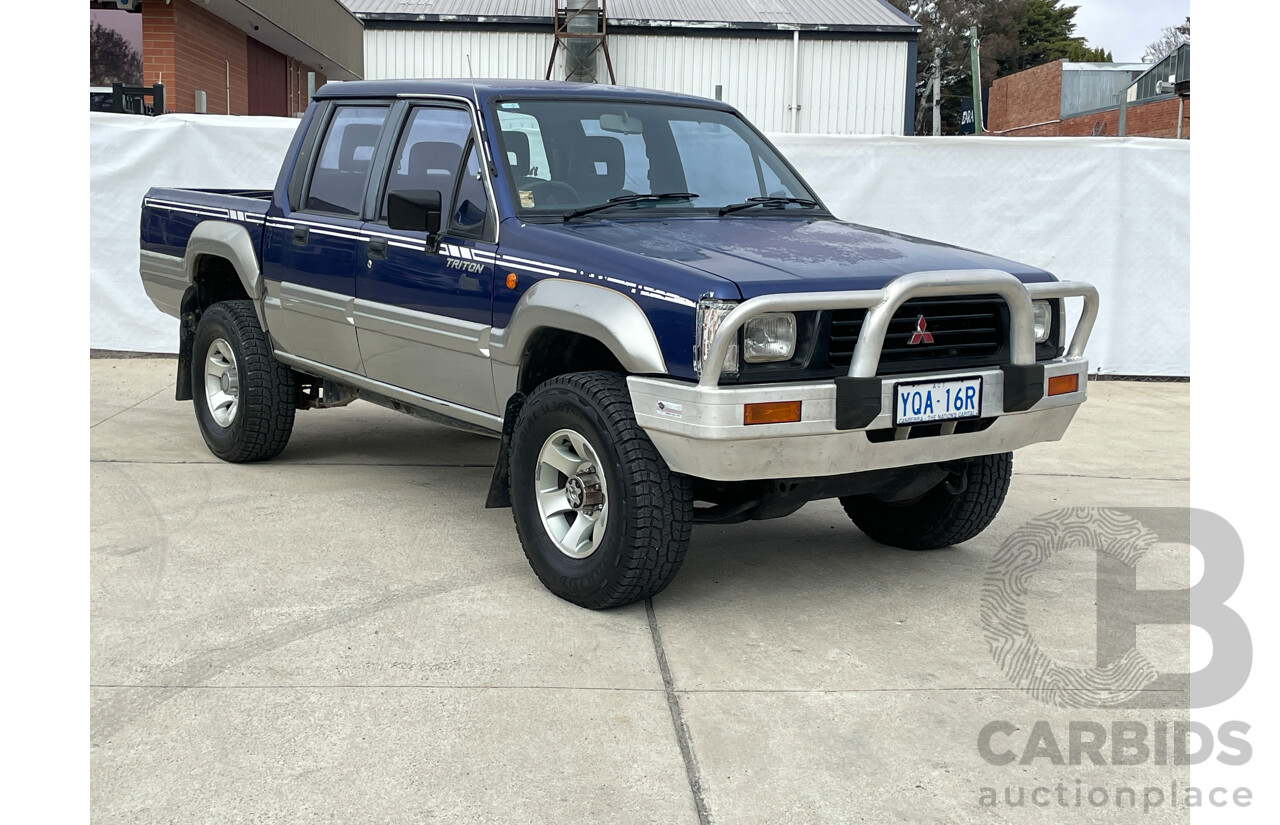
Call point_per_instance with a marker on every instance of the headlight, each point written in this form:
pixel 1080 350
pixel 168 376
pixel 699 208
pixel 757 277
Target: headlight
pixel 711 313
pixel 769 337
pixel 1043 317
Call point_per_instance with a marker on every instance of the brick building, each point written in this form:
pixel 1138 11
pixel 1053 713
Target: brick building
pixel 248 57
pixel 1094 99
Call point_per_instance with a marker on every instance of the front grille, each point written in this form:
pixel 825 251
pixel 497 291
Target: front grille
pixel 966 332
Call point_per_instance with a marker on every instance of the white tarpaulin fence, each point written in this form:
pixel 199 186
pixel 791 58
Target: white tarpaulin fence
pixel 1115 212
pixel 128 155
pixel 1111 211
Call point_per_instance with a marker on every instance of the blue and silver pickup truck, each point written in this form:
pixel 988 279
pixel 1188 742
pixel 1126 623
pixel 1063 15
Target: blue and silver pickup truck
pixel 638 295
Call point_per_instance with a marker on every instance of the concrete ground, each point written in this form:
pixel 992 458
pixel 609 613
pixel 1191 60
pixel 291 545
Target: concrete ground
pixel 345 635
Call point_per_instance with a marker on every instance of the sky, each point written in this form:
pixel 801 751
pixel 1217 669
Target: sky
pixel 1125 27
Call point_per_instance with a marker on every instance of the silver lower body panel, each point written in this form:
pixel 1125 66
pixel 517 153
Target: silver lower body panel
pixel 467 418
pixel 164 280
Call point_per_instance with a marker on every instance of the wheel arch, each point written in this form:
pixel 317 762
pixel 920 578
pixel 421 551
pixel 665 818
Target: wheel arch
pixel 595 312
pixel 230 242
pixel 560 327
pixel 220 264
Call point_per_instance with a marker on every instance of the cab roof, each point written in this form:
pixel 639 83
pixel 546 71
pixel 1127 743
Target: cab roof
pixel 486 90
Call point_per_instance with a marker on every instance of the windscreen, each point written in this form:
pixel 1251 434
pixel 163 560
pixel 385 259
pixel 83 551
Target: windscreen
pixel 567 154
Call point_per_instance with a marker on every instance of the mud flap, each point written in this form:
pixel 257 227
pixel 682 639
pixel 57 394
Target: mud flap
pixel 500 485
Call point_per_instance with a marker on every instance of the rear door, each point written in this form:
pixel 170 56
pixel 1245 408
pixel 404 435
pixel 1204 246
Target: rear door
pixel 311 255
pixel 424 309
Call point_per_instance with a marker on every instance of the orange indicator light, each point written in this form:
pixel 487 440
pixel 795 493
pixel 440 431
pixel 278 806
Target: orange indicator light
pixel 511 280
pixel 779 412
pixel 1063 384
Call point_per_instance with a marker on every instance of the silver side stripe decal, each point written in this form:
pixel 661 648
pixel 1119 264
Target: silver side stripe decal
pixel 205 211
pixel 555 271
pixel 659 295
pixel 163 204
pixel 208 213
pixel 332 231
pixel 465 253
pixel 543 264
pixel 342 235
pixel 537 270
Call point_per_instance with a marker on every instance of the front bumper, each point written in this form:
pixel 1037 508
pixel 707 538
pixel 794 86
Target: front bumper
pixel 699 429
pixel 700 433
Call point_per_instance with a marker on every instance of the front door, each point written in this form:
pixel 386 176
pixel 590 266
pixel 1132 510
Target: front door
pixel 423 308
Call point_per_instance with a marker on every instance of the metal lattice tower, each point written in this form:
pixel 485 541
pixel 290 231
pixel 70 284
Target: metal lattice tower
pixel 582 25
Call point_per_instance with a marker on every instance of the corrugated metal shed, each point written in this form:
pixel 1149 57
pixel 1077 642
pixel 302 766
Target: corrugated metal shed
pixel 468 9
pixel 811 15
pixel 1087 87
pixel 826 66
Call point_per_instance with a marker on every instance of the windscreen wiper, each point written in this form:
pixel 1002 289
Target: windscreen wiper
pixel 765 201
pixel 621 199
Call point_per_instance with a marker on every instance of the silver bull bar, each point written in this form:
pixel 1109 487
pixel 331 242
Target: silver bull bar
pixel 881 304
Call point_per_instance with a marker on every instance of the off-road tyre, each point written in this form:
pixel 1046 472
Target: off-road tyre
pixel 648 508
pixel 266 390
pixel 939 518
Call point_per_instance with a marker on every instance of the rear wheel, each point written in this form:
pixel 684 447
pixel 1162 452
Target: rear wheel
pixel 245 399
pixel 955 511
pixel 602 519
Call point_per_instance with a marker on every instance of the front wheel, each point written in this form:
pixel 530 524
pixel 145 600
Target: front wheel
pixel 602 519
pixel 245 399
pixel 953 512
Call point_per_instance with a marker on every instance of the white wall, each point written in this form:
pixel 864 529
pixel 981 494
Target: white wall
pixel 845 86
pixel 1111 211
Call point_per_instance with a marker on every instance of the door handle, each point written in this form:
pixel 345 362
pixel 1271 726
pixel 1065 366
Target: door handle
pixel 378 248
pixel 300 235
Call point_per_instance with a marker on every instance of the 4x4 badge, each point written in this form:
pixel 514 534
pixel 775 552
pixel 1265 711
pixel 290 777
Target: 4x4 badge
pixel 922 335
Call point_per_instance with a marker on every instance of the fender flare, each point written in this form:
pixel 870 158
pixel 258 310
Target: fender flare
pixel 598 312
pixel 218 239
pixel 230 241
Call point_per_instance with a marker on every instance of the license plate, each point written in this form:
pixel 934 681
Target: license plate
pixel 937 401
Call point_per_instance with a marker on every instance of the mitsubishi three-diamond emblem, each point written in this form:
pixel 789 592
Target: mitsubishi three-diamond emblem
pixel 922 335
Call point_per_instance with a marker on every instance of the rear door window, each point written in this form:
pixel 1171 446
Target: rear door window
pixel 345 160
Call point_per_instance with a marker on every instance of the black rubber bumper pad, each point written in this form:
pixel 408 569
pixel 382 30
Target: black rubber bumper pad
pixel 1023 386
pixel 857 402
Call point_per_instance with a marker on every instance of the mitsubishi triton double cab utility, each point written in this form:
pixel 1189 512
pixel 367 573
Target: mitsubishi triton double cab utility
pixel 638 295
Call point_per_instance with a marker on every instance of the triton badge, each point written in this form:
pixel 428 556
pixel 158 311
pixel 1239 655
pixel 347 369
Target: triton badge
pixel 922 335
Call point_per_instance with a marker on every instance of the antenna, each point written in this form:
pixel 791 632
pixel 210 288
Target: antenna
pixel 471 74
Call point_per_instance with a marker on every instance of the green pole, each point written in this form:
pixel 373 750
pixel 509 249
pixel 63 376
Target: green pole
pixel 977 81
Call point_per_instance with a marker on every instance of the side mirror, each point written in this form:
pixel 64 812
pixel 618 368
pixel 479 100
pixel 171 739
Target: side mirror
pixel 417 210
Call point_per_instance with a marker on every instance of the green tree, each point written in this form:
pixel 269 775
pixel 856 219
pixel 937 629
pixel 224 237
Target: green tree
pixel 1047 32
pixel 111 58
pixel 944 26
